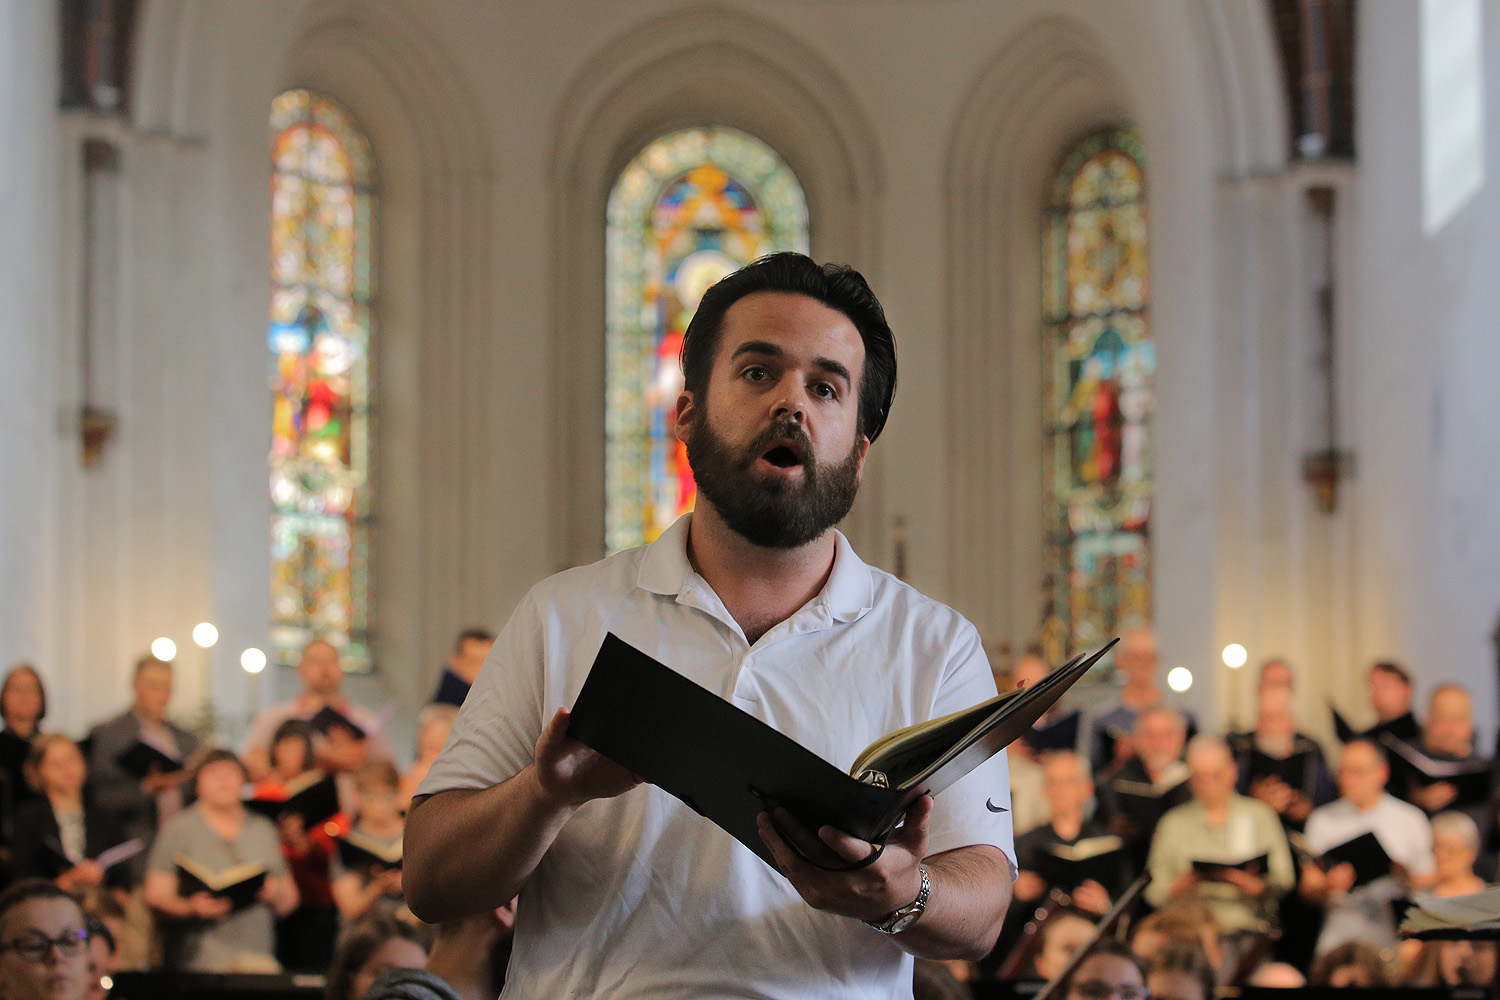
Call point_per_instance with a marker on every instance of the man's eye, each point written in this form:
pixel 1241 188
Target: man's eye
pixel 755 373
pixel 825 390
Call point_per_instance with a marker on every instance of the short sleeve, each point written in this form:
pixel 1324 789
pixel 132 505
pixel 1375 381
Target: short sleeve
pixel 976 808
pixel 495 733
pixel 265 843
pixel 168 842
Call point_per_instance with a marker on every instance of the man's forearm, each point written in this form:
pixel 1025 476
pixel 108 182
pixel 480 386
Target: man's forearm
pixel 971 890
pixel 472 850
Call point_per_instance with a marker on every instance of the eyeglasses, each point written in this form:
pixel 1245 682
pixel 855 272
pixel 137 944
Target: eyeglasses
pixel 34 947
pixel 1098 989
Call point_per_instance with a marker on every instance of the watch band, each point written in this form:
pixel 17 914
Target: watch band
pixel 905 916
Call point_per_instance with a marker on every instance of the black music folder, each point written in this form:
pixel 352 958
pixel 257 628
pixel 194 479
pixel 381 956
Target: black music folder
pixel 314 796
pixel 729 766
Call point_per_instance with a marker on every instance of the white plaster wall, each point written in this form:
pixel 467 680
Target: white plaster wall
pixel 1425 413
pixel 32 441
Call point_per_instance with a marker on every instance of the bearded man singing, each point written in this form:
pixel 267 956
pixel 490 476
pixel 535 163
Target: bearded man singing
pixel 789 369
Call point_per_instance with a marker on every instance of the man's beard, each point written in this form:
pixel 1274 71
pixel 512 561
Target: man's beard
pixel 771 512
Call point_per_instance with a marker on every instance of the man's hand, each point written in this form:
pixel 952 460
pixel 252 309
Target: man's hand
pixel 870 893
pixel 207 906
pixel 1436 797
pixel 1273 792
pixel 1029 886
pixel 571 773
pixel 156 781
pixel 1340 879
pixel 1186 882
pixel 1251 885
pixel 1091 897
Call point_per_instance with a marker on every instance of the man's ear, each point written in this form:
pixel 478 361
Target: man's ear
pixel 685 416
pixel 864 449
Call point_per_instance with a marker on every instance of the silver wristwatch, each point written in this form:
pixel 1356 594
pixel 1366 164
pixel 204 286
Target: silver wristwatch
pixel 907 915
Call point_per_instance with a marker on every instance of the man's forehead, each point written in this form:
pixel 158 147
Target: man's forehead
pixel 792 323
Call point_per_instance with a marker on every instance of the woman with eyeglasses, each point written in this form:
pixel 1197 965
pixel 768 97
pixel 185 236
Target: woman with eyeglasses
pixel 43 943
pixel 1110 972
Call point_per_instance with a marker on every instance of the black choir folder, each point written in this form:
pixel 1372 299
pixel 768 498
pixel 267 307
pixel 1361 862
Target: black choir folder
pixel 729 766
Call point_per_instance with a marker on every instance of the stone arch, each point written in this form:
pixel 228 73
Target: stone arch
pixel 1049 85
pixel 710 65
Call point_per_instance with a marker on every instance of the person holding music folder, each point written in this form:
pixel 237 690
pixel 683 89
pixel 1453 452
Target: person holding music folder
pixel 1442 771
pixel 61 834
pixel 203 871
pixel 1226 849
pixel 789 371
pixel 1137 793
pixel 367 865
pixel 1283 768
pixel 348 734
pixel 1361 911
pixel 1070 852
pixel 137 760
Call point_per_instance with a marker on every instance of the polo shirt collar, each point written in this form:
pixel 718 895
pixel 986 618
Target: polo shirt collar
pixel 848 594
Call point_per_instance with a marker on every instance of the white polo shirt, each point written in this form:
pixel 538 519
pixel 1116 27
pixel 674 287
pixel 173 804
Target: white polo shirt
pixel 641 897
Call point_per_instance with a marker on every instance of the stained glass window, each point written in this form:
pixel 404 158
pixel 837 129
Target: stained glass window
pixel 1101 372
pixel 322 217
pixel 691 207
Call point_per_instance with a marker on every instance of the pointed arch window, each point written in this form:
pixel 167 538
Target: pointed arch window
pixel 1100 392
pixel 692 206
pixel 322 288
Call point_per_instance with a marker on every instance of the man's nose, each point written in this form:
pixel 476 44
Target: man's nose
pixel 790 405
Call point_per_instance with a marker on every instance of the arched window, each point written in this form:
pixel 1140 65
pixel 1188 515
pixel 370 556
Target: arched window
pixel 1100 378
pixel 691 207
pixel 322 227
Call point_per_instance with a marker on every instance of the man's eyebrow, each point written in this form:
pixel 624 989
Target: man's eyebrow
pixel 769 349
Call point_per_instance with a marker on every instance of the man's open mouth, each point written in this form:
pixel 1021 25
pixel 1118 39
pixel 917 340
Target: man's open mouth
pixel 783 457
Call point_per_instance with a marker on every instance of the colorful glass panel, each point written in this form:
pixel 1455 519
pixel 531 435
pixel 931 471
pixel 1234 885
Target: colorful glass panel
pixel 691 207
pixel 1100 398
pixel 322 211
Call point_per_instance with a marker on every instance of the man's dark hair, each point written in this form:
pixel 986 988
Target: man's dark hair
pixel 472 635
pixel 1394 669
pixel 838 287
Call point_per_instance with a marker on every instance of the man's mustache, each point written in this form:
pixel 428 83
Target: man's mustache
pixel 784 430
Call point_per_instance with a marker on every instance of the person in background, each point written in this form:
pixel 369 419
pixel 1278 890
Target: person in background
pixel 1112 730
pixel 218 833
pixel 1026 802
pixel 1110 970
pixel 1136 794
pixel 1275 738
pixel 370 947
pixel 1062 936
pixel 304 937
pixel 44 943
pixel 1189 921
pixel 1455 848
pixel 434 722
pixel 1068 788
pixel 23 705
pixel 379 818
pixel 1352 964
pixel 1448 736
pixel 59 833
pixel 341 750
pixel 1180 971
pixel 138 806
pixel 1390 689
pixel 1220 825
pixel 1454 963
pixel 469 651
pixel 467 961
pixel 1275 673
pixel 1364 806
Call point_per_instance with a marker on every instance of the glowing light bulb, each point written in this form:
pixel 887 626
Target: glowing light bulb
pixel 1179 678
pixel 164 649
pixel 205 635
pixel 253 660
pixel 1235 656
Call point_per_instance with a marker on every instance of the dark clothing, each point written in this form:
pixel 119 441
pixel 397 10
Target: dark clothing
pixel 410 984
pixel 1034 849
pixel 452 689
pixel 1305 770
pixel 116 791
pixel 1131 804
pixel 38 842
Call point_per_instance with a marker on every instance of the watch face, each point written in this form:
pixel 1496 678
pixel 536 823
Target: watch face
pixel 905 922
